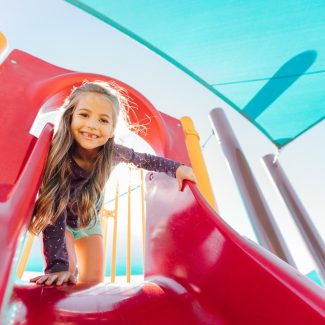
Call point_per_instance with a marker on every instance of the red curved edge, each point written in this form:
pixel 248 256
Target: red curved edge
pixel 17 209
pixel 230 276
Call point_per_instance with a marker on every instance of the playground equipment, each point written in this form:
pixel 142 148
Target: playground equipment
pixel 197 269
pixel 3 43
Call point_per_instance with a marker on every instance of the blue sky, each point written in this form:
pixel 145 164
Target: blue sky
pixel 68 37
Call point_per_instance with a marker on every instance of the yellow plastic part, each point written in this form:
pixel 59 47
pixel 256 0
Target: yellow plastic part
pixel 3 43
pixel 128 251
pixel 24 258
pixel 113 265
pixel 143 216
pixel 192 140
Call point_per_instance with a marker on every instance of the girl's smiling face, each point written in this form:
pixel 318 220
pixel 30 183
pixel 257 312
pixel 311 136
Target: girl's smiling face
pixel 92 122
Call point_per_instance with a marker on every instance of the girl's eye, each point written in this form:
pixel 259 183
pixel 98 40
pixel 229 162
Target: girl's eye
pixel 104 121
pixel 83 114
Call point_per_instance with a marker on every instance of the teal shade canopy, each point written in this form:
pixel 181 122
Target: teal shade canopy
pixel 264 58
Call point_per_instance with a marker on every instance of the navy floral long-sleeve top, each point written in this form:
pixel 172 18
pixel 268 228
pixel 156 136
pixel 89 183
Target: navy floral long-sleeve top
pixel 54 243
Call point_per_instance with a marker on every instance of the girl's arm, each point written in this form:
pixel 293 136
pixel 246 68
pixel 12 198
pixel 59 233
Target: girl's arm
pixel 56 255
pixel 153 163
pixel 145 160
pixel 55 247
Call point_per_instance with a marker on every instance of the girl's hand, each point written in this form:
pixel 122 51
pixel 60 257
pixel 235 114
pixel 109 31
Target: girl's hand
pixel 184 172
pixel 57 277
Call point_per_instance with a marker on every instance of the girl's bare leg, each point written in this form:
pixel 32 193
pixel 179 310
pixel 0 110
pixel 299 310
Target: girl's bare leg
pixel 90 253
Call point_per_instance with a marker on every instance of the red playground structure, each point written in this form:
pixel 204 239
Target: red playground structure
pixel 197 269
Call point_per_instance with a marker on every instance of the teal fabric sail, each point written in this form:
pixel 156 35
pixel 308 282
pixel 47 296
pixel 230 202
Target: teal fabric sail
pixel 265 58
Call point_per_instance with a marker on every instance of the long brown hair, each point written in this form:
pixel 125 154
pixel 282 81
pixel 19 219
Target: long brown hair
pixel 54 192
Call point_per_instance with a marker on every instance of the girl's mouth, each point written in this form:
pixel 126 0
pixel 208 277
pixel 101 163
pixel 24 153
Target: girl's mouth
pixel 89 136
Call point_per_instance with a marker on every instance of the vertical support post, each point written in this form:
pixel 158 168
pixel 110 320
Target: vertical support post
pixel 3 43
pixel 128 249
pixel 143 217
pixel 196 157
pixel 103 214
pixel 306 227
pixel 24 257
pixel 266 230
pixel 113 264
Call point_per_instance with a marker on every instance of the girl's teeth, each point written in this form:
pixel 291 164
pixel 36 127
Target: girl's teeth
pixel 92 136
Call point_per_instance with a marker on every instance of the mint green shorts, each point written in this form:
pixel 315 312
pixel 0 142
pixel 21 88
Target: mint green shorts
pixel 92 229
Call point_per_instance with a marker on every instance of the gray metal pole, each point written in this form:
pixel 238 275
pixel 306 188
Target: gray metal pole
pixel 266 230
pixel 306 227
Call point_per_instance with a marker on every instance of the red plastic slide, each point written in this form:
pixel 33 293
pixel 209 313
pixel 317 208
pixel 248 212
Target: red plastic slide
pixel 197 269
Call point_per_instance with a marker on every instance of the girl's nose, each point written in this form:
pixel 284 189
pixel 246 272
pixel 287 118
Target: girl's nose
pixel 92 123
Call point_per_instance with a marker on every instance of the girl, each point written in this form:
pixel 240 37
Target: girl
pixel 79 163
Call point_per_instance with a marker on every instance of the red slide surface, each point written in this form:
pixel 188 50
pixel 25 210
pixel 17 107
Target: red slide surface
pixel 197 269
